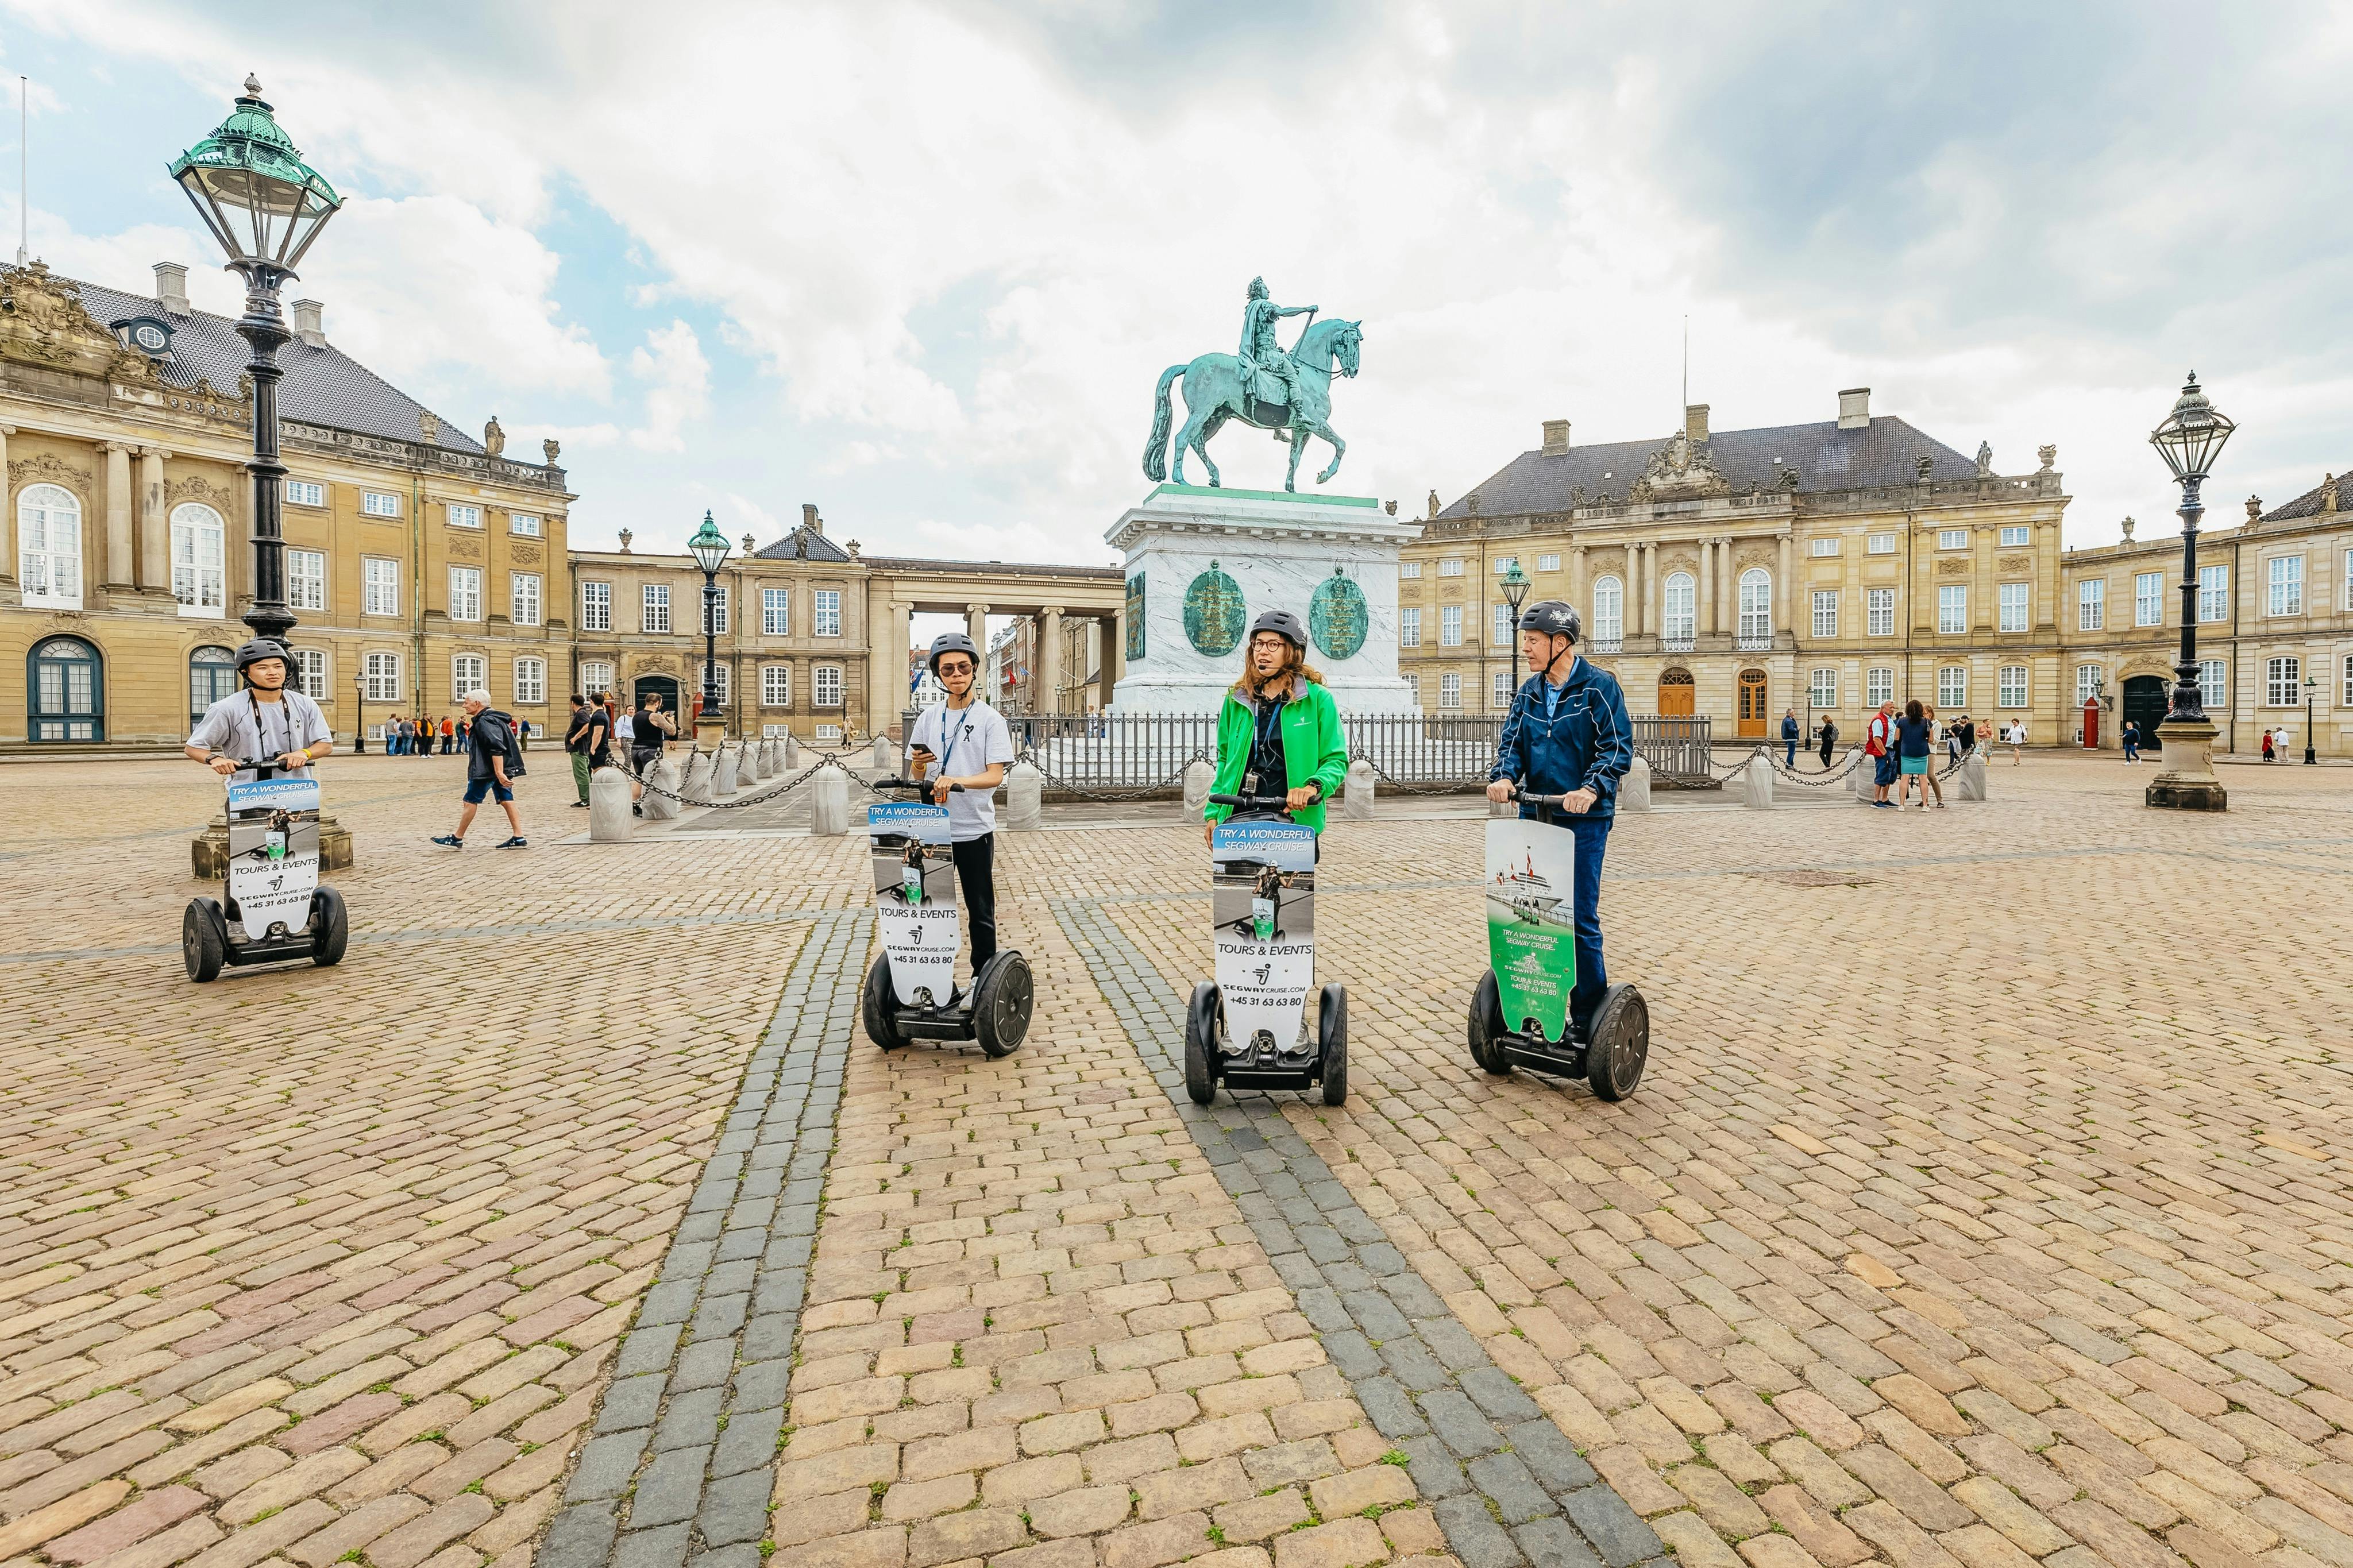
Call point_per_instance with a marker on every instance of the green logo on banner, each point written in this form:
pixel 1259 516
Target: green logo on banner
pixel 1214 614
pixel 1136 616
pixel 1336 617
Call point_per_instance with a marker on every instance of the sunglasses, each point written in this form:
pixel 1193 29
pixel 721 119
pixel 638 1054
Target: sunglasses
pixel 954 667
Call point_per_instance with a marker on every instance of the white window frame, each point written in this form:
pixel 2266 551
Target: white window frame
pixel 1548 563
pixel 1952 538
pixel 1409 626
pixel 1502 625
pixel 719 611
pixel 721 681
pixel 2149 599
pixel 58 569
pixel 1826 545
pixel 2283 586
pixel 1503 563
pixel 2091 604
pixel 311 673
pixel 2214 594
pixel 1678 615
pixel 2090 679
pixel 379 503
pixel 1608 609
pixel 824 612
pixel 1879 544
pixel 306 578
pixel 1879 611
pixel 462 514
pixel 305 492
pixel 469 672
pixel 1413 687
pixel 1952 608
pixel 2347 700
pixel 1409 568
pixel 2214 684
pixel 1821 688
pixel 1449 625
pixel 595 606
pixel 596 677
pixel 1878 686
pixel 2017 607
pixel 1449 692
pixel 776 686
pixel 1826 608
pixel 823 678
pixel 653 608
pixel 524 598
pixel 526 525
pixel 1449 566
pixel 1952 688
pixel 2011 687
pixel 529 681
pixel 775 612
pixel 379 585
pixel 465 593
pixel 2014 534
pixel 1499 698
pixel 1754 592
pixel 382 671
pixel 201 587
pixel 2283 679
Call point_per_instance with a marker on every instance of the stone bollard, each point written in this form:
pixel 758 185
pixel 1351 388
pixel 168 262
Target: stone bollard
pixel 755 762
pixel 1969 784
pixel 886 756
pixel 608 807
pixel 1859 779
pixel 1200 774
pixel 829 803
pixel 1357 800
pixel 792 754
pixel 666 775
pixel 1756 783
pixel 697 788
pixel 771 760
pixel 725 765
pixel 1634 789
pixel 1025 797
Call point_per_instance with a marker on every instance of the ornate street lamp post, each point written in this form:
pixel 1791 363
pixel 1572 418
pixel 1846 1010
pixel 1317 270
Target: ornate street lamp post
pixel 709 548
pixel 265 207
pixel 359 714
pixel 2189 441
pixel 1515 590
pixel 2311 689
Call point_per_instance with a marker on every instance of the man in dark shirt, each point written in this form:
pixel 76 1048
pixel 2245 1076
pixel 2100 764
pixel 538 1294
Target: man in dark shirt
pixel 486 753
pixel 577 741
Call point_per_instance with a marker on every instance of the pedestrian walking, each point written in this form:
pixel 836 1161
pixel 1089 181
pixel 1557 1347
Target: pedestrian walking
pixel 2131 739
pixel 494 761
pixel 1879 745
pixel 1829 738
pixel 2268 755
pixel 580 737
pixel 1967 731
pixel 448 735
pixel 1790 735
pixel 1936 740
pixel 1911 750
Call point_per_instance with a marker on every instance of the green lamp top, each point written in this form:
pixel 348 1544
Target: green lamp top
pixel 709 546
pixel 254 192
pixel 252 140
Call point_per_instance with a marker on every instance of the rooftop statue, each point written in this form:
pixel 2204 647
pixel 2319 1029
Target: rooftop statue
pixel 1288 392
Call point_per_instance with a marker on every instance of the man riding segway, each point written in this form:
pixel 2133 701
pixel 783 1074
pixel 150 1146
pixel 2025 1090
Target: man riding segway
pixel 1565 744
pixel 263 723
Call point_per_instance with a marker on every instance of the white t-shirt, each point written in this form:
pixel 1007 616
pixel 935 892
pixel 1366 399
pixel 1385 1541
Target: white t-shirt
pixel 964 742
pixel 248 730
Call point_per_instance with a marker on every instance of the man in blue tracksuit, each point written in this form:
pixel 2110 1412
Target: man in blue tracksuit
pixel 1568 734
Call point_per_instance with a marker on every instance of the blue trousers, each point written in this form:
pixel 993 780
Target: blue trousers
pixel 1791 760
pixel 1592 836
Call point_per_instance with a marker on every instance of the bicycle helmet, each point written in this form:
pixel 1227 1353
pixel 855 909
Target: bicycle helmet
pixel 1555 618
pixel 259 648
pixel 953 642
pixel 1282 624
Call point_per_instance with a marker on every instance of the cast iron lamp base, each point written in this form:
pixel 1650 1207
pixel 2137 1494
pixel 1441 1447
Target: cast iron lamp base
pixel 2188 783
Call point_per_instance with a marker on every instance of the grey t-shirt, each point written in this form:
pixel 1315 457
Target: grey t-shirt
pixel 241 726
pixel 964 741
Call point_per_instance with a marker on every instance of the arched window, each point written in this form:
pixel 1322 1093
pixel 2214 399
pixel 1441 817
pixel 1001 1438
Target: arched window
pixel 1678 620
pixel 212 675
pixel 1756 607
pixel 1609 611
pixel 199 561
pixel 65 691
pixel 48 546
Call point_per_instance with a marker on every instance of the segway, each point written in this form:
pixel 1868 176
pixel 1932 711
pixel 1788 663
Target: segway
pixel 910 991
pixel 274 910
pixel 1520 1012
pixel 1249 1027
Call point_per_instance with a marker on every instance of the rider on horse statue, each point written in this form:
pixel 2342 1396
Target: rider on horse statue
pixel 1261 355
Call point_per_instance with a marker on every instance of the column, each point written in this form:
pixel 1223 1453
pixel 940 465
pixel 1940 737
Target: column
pixel 1577 581
pixel 1114 644
pixel 9 592
pixel 155 524
pixel 1784 595
pixel 1649 549
pixel 1050 660
pixel 1727 589
pixel 886 664
pixel 976 626
pixel 119 560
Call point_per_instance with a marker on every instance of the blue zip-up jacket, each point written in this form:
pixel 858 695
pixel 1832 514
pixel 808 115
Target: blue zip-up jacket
pixel 1588 743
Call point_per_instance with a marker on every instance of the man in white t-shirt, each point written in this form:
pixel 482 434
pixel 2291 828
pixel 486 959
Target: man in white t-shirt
pixel 967 739
pixel 263 723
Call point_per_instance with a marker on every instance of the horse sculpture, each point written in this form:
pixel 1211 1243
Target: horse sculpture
pixel 1216 391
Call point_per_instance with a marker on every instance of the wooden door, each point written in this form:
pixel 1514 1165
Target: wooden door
pixel 1677 695
pixel 1752 705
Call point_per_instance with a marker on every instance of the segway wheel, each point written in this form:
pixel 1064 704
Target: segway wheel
pixel 1487 1027
pixel 878 1007
pixel 1001 1000
pixel 204 941
pixel 1621 1043
pixel 331 928
pixel 1332 1037
pixel 1201 1043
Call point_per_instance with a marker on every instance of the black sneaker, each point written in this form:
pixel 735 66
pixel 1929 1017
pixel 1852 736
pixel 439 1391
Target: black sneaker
pixel 450 841
pixel 579 806
pixel 517 842
pixel 636 808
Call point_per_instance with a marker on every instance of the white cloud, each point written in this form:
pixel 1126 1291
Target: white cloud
pixel 678 386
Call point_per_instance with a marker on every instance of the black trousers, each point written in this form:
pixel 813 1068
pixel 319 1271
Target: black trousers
pixel 975 864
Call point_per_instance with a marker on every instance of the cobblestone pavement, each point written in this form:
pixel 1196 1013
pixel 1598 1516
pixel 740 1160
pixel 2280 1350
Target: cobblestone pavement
pixel 1968 1214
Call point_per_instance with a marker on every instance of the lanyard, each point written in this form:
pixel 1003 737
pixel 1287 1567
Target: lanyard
pixel 260 740
pixel 1269 724
pixel 948 741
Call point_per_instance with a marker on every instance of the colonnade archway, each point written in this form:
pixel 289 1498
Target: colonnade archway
pixel 899 589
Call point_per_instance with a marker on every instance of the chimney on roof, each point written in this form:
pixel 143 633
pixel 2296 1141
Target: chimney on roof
pixel 310 322
pixel 810 519
pixel 1696 424
pixel 1555 438
pixel 172 288
pixel 1855 408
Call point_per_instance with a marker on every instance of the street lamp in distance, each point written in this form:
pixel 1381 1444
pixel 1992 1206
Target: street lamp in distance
pixel 2311 690
pixel 359 715
pixel 1516 590
pixel 2189 440
pixel 709 548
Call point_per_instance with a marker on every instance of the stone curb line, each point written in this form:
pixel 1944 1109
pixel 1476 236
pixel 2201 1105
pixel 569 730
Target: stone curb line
pixel 1507 1486
pixel 683 1452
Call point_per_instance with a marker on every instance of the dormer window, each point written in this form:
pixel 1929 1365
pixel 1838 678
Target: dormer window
pixel 149 335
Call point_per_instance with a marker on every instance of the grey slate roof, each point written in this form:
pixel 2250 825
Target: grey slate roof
pixel 323 386
pixel 820 548
pixel 1886 452
pixel 2308 503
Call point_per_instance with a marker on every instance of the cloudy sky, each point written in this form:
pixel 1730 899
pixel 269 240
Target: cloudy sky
pixel 921 264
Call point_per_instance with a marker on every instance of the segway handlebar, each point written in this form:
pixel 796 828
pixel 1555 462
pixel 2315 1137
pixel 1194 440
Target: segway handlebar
pixel 1252 802
pixel 1539 800
pixel 912 783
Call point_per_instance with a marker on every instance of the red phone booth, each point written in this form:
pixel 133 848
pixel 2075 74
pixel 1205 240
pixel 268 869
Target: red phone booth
pixel 2091 724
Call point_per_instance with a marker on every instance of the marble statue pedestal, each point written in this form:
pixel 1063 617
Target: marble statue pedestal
pixel 1228 555
pixel 2188 783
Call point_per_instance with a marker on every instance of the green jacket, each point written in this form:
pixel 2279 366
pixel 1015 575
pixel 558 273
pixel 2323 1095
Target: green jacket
pixel 1314 750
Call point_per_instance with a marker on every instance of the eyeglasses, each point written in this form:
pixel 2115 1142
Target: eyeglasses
pixel 956 667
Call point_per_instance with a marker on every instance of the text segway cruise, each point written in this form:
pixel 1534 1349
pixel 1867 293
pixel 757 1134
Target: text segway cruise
pixel 910 991
pixel 273 908
pixel 1520 1012
pixel 1249 1027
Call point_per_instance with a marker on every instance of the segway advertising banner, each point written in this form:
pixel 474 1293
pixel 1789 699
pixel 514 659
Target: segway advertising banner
pixel 914 899
pixel 1263 903
pixel 273 852
pixel 1530 921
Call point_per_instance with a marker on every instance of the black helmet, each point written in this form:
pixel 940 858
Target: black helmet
pixel 1282 624
pixel 1555 618
pixel 259 648
pixel 952 642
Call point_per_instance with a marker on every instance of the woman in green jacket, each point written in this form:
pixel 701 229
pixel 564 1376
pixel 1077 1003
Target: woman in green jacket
pixel 1279 723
